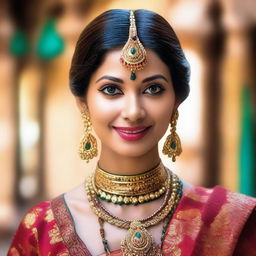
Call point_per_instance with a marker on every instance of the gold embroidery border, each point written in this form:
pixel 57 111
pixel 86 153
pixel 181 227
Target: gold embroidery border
pixel 65 223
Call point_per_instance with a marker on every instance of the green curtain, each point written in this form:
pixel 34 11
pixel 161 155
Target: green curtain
pixel 247 144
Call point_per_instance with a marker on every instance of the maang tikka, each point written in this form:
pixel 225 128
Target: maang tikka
pixel 88 144
pixel 133 55
pixel 172 145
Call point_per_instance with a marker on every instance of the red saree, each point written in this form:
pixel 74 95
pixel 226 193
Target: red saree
pixel 207 222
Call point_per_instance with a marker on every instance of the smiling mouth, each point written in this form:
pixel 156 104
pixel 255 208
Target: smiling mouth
pixel 132 130
pixel 132 133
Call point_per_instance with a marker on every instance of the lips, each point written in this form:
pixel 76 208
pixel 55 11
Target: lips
pixel 132 133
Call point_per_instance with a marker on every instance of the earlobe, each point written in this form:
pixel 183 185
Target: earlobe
pixel 176 104
pixel 175 108
pixel 81 103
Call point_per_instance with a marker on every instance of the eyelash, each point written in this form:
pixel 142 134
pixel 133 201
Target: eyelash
pixel 161 89
pixel 110 86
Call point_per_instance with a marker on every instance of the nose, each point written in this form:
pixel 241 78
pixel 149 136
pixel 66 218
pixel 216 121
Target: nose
pixel 133 109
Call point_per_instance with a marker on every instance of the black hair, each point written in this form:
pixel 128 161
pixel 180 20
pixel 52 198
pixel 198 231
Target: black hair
pixel 110 30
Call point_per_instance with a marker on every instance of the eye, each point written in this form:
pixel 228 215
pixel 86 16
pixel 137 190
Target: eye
pixel 110 90
pixel 154 89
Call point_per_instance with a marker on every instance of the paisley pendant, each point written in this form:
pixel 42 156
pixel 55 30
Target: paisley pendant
pixel 172 146
pixel 134 55
pixel 139 242
pixel 88 147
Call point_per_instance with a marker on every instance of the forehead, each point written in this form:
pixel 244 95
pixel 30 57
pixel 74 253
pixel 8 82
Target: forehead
pixel 111 65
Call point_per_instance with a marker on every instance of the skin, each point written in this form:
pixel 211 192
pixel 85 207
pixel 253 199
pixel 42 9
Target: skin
pixel 135 104
pixel 113 99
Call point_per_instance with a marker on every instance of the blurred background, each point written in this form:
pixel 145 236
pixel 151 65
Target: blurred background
pixel 40 125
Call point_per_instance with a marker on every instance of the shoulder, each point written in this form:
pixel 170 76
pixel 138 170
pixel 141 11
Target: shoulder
pixel 222 209
pixel 217 218
pixel 37 232
pixel 218 208
pixel 38 213
pixel 219 196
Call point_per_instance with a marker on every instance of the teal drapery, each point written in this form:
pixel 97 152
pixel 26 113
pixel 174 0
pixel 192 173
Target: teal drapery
pixel 247 158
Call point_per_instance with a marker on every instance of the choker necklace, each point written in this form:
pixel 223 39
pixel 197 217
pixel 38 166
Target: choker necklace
pixel 138 240
pixel 130 189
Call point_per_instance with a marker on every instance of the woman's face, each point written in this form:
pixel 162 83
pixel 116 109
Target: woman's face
pixel 130 116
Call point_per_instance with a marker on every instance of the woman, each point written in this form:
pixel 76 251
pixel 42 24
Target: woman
pixel 129 75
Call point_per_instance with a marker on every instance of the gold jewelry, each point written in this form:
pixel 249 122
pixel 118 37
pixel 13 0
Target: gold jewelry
pixel 138 240
pixel 88 143
pixel 102 234
pixel 172 145
pixel 166 198
pixel 134 199
pixel 130 189
pixel 133 55
pixel 141 237
pixel 150 221
pixel 117 199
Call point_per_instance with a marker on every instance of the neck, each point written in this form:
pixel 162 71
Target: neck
pixel 128 165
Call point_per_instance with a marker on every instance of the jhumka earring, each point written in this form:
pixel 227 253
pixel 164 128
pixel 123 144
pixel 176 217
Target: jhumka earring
pixel 172 145
pixel 88 143
pixel 133 55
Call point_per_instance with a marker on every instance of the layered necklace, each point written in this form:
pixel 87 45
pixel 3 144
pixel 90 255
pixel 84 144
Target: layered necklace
pixel 134 189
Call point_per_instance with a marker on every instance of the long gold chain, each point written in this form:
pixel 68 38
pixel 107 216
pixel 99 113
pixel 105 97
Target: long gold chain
pixel 138 241
pixel 153 220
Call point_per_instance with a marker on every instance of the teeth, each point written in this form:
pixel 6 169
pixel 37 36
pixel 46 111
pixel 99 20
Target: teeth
pixel 133 131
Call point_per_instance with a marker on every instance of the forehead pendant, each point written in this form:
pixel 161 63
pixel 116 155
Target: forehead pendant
pixel 133 55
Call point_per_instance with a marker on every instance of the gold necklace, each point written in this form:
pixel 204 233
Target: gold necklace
pixel 165 201
pixel 138 240
pixel 130 189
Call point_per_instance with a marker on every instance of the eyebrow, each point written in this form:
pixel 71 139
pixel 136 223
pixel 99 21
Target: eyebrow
pixel 118 80
pixel 112 78
pixel 148 79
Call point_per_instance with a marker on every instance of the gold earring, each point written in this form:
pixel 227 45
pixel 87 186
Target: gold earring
pixel 172 145
pixel 88 144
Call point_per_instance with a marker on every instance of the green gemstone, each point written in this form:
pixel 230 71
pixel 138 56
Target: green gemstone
pixel 138 235
pixel 133 76
pixel 87 145
pixel 173 145
pixel 133 51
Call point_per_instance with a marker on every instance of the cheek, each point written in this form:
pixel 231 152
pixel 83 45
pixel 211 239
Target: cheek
pixel 162 109
pixel 163 119
pixel 161 114
pixel 102 110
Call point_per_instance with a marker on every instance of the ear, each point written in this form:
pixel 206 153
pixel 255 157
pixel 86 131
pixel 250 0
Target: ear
pixel 175 107
pixel 176 104
pixel 81 103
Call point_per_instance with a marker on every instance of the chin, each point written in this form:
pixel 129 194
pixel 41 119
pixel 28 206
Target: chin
pixel 134 151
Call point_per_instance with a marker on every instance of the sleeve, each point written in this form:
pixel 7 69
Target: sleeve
pixel 37 234
pixel 246 245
